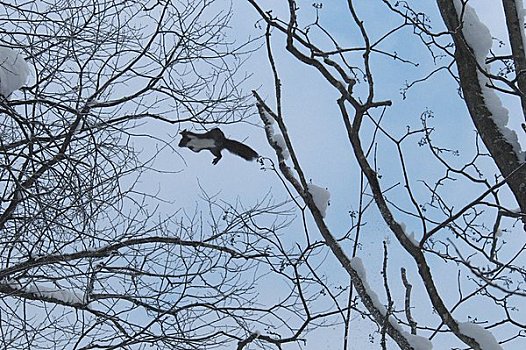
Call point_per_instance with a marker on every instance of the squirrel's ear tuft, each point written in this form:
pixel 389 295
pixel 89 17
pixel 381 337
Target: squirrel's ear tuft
pixel 183 132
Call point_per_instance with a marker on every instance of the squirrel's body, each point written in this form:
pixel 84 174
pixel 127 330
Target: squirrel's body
pixel 215 141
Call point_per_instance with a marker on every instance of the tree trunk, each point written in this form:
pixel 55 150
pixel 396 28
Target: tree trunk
pixel 512 168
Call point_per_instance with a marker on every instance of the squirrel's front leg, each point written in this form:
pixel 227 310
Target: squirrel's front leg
pixel 216 152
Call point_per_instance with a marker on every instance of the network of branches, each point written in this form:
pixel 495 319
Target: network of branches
pixel 89 261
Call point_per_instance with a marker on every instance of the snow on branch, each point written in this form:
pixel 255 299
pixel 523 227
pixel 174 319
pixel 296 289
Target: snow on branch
pixel 13 71
pixel 320 196
pixel 484 337
pixel 410 235
pixel 278 143
pixel 59 295
pixel 275 137
pixel 479 39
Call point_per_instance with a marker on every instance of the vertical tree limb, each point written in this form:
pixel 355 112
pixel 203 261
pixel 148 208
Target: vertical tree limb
pixel 500 149
pixel 517 47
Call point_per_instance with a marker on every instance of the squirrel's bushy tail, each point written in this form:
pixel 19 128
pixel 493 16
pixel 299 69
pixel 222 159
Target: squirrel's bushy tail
pixel 240 149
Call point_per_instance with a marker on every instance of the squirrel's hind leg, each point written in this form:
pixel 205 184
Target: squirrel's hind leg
pixel 216 152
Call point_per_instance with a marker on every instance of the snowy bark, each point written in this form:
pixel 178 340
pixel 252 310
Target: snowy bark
pixel 501 150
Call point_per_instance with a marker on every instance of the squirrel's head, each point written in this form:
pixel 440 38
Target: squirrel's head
pixel 184 139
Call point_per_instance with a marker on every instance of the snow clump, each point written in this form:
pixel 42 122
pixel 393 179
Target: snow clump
pixel 14 71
